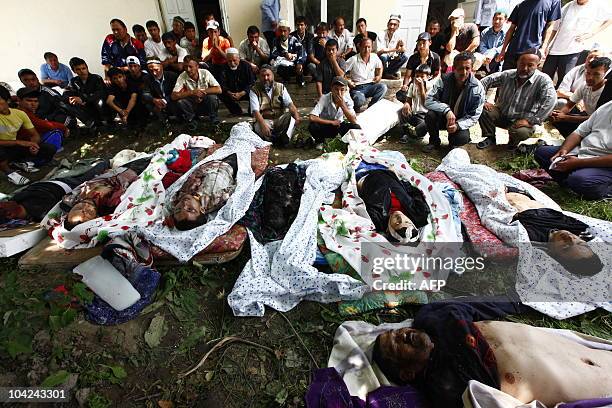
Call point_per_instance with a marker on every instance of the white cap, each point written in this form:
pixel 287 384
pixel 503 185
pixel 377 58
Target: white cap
pixel 212 24
pixel 284 23
pixel 396 17
pixel 231 51
pixel 458 12
pixel 132 60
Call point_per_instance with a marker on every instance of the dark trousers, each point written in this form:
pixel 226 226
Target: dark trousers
pixel 232 105
pixel 171 109
pixel 321 131
pixel 591 183
pixel 490 119
pixel 19 153
pixel 567 128
pixel 287 72
pixel 416 119
pixel 559 64
pixel 437 121
pixel 510 62
pixel 269 38
pixel 96 170
pixel 392 65
pixel 190 107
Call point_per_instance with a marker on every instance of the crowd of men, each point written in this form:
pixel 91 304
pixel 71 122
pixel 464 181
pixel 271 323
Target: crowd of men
pixel 448 75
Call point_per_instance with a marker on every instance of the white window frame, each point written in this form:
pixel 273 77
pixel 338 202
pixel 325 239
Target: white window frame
pixel 324 17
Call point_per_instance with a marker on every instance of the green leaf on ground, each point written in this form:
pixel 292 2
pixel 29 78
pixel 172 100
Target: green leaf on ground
pixel 21 344
pixel 55 379
pixel 156 331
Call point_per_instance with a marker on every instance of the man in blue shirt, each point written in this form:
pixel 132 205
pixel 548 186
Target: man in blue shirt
pixel 530 20
pixel 492 40
pixel 53 73
pixel 270 16
pixel 118 46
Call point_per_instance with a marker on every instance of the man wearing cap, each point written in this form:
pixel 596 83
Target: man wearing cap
pixel 365 72
pixel 28 102
pixel 525 98
pixel 236 79
pixel 254 49
pixel 454 103
pixel 86 92
pixel 288 54
pixel 461 36
pixel 492 40
pixel 269 101
pixel 157 91
pixel 390 48
pixel 423 55
pixel 214 48
pixel 270 16
pixel 118 46
pixel 135 75
pixel 123 99
pixel 531 26
pixel 196 91
pixel 334 113
pixel 173 55
pixel 178 27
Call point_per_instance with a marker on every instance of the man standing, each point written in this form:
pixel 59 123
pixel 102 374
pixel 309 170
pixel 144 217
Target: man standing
pixel 589 94
pixel 269 101
pixel 173 56
pixel 580 20
pixel 454 103
pixel 53 73
pixel 270 16
pixel 157 91
pixel 288 54
pixel 214 47
pixel 583 163
pixel 333 114
pixel 254 49
pixel 87 92
pixel 492 41
pixel 330 67
pixel 390 48
pixel 118 46
pixel 525 98
pixel 365 72
pixel 461 36
pixel 424 55
pixel 236 80
pixel 530 20
pixel 154 46
pixel 196 91
pixel 317 48
pixel 343 36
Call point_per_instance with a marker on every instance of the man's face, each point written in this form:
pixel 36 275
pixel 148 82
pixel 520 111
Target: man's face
pixel 188 208
pixel 141 36
pixel 365 48
pixel 253 38
pixel 457 21
pixel 527 65
pixel 595 76
pixel 339 89
pixel 177 27
pixel 118 31
pixel 433 29
pixel 422 76
pixel 119 80
pixel 81 71
pixel 11 210
pixel 4 106
pixel 339 26
pixel 233 60
pixel 331 51
pixel 410 348
pixel 362 27
pixel 212 32
pixel 154 31
pixel 392 25
pixel 423 45
pixel 498 21
pixel 29 104
pixel 284 33
pixel 565 245
pixel 82 212
pixel 463 69
pixel 155 70
pixel 192 70
pixel 266 76
pixel 170 45
pixel 135 70
pixel 301 27
pixel 53 62
pixel 30 81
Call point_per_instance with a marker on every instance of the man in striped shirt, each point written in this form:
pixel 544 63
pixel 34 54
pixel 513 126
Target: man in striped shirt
pixel 525 98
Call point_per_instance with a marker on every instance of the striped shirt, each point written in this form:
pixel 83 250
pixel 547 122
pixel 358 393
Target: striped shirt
pixel 534 100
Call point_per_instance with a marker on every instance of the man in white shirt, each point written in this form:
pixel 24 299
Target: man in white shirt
pixel 154 46
pixel 196 93
pixel 390 48
pixel 575 78
pixel 566 120
pixel 365 72
pixel 173 56
pixel 254 49
pixel 583 163
pixel 343 36
pixel 580 21
pixel 333 114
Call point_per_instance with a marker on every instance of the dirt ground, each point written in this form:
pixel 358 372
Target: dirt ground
pixel 265 362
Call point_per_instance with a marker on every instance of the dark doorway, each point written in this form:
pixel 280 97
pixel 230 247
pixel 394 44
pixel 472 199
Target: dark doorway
pixel 204 7
pixel 440 10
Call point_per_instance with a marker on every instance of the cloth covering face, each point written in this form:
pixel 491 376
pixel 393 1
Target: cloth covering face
pixel 542 283
pixel 184 245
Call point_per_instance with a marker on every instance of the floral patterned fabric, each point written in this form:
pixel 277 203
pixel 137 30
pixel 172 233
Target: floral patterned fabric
pixel 233 240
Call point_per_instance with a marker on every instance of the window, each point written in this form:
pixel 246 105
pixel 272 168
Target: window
pixel 316 11
pixel 344 8
pixel 311 9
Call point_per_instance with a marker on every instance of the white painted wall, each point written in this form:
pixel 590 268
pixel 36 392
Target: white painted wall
pixel 68 28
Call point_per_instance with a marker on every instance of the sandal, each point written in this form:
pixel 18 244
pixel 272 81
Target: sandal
pixel 483 144
pixel 17 179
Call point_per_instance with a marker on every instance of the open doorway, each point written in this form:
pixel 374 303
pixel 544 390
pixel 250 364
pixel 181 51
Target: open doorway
pixel 205 7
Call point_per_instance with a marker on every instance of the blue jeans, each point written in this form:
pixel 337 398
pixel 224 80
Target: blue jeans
pixel 371 90
pixel 391 66
pixel 591 183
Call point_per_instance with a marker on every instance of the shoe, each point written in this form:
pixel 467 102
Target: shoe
pixel 27 166
pixel 405 139
pixel 430 148
pixel 192 126
pixel 483 144
pixel 17 179
pixel 300 81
